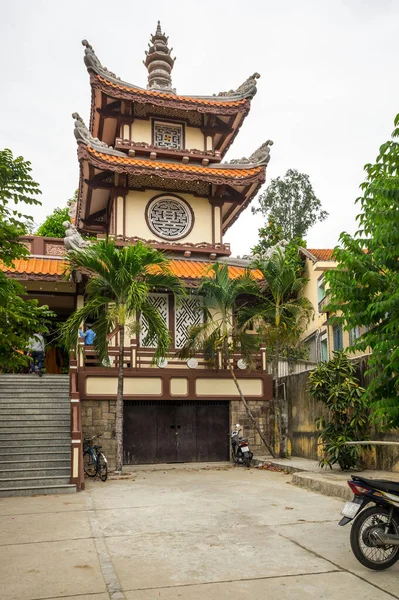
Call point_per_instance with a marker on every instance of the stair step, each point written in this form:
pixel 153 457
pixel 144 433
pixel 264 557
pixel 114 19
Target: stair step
pixel 6 473
pixel 37 490
pixel 34 429
pixel 9 482
pixel 32 434
pixel 43 405
pixel 34 462
pixel 20 418
pixel 48 443
pixel 20 391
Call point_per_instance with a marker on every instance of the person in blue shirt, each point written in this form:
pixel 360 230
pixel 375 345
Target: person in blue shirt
pixel 89 335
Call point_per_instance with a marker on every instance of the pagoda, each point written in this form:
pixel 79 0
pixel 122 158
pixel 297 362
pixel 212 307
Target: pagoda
pixel 151 169
pixel 151 160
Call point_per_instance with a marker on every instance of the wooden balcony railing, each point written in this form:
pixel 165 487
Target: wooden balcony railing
pixel 324 302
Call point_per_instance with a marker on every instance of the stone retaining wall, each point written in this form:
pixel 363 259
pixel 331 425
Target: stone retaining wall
pixel 98 416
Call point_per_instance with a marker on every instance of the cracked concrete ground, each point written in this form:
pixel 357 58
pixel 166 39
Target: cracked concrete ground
pixel 185 533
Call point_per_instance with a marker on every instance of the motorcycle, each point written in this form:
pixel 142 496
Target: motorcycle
pixel 239 448
pixel 374 535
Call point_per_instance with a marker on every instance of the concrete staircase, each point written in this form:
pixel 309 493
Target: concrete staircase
pixel 35 435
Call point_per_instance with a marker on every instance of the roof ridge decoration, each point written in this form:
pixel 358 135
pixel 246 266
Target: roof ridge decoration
pixel 93 63
pixel 245 90
pixel 83 136
pixel 261 156
pixel 159 62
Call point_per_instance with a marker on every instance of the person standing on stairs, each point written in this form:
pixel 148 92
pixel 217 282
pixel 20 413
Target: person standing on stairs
pixel 36 352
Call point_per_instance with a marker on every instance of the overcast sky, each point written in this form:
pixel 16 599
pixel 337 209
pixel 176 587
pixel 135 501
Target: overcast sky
pixel 327 97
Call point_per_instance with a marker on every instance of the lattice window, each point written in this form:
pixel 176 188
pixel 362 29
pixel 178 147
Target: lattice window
pixel 187 314
pixel 168 136
pixel 169 218
pixel 161 303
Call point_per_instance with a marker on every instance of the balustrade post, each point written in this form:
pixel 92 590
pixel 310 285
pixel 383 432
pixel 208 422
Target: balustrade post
pixel 81 353
pixel 263 357
pixel 77 472
pixel 133 353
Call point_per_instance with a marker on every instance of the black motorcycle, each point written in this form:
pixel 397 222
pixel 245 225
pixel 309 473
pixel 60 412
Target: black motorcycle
pixel 375 532
pixel 239 448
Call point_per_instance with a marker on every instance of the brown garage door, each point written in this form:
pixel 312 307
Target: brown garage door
pixel 170 432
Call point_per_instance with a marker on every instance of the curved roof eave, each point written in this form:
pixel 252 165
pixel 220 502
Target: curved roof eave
pixel 246 91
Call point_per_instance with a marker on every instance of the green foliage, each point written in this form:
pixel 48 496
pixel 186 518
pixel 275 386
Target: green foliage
pixel 120 279
pixel 221 330
pixel 336 386
pixel 53 225
pixel 19 319
pixel 290 207
pixel 365 286
pixel 282 309
pixel 16 187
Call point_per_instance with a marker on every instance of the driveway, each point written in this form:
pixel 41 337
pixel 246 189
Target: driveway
pixel 183 533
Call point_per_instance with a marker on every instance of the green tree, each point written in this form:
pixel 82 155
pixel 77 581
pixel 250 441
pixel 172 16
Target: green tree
pixel 120 280
pixel 335 385
pixel 19 319
pixel 282 315
pixel 290 207
pixel 16 187
pixel 221 336
pixel 53 224
pixel 365 286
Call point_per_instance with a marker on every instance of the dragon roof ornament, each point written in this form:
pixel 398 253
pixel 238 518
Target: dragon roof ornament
pixel 245 90
pixel 83 135
pixel 261 156
pixel 92 62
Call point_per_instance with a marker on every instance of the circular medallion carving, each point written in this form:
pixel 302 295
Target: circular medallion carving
pixel 169 217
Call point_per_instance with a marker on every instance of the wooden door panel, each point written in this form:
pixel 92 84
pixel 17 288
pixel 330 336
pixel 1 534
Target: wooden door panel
pixel 186 432
pixel 166 433
pixel 139 435
pixel 212 432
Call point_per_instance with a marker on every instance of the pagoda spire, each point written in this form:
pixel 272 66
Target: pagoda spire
pixel 159 62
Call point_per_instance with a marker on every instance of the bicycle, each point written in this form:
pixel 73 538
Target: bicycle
pixel 95 462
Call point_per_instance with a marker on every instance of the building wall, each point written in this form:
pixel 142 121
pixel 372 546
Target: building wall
pixel 303 410
pixel 134 223
pixel 98 416
pixel 141 131
pixel 320 326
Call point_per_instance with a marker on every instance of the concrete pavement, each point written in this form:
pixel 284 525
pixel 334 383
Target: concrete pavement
pixel 183 533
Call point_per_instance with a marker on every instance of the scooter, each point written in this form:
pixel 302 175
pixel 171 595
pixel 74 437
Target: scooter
pixel 375 532
pixel 239 448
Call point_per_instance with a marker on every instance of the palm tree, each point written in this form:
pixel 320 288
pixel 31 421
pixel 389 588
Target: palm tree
pixel 282 314
pixel 221 335
pixel 120 280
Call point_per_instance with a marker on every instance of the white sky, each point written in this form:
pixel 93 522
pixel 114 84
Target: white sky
pixel 327 96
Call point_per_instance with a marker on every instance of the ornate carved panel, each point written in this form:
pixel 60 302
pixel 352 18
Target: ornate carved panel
pixel 55 249
pixel 169 217
pixel 168 135
pixel 188 313
pixel 160 302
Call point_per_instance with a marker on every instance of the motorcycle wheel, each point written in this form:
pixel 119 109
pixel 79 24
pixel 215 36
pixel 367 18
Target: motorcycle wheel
pixel 236 459
pixel 374 557
pixel 247 460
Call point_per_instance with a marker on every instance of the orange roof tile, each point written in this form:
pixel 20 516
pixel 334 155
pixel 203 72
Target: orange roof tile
pixel 156 165
pixel 181 268
pixel 322 253
pixel 36 266
pixel 191 269
pixel 207 101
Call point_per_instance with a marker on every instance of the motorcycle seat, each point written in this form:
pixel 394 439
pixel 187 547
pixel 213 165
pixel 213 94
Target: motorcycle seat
pixel 381 484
